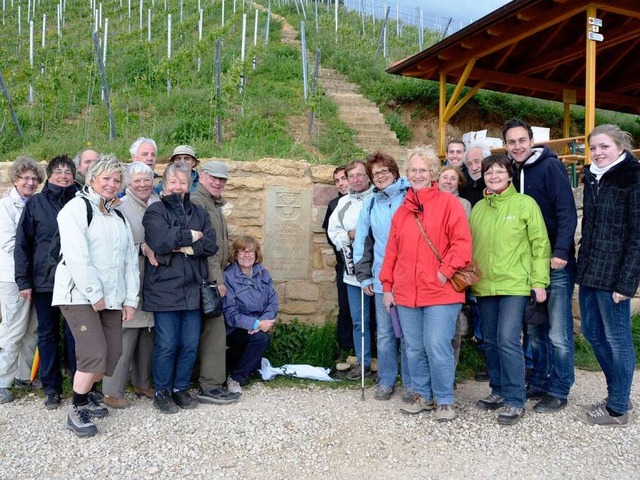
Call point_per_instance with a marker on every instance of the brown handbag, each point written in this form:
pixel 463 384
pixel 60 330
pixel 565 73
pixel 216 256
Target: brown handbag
pixel 462 278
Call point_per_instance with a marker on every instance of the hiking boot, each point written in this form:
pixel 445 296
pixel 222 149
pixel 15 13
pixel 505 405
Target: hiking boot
pixel 217 396
pixel 534 394
pixel 52 401
pixel 600 416
pixel 79 421
pixel 445 413
pixel 550 404
pixel 164 402
pixel 603 404
pixel 27 384
pixel 407 394
pixel 492 402
pixel 95 405
pixel 144 392
pixel 5 395
pixel 383 392
pixel 115 402
pixel 355 373
pixel 184 400
pixel 233 386
pixel 417 404
pixel 510 415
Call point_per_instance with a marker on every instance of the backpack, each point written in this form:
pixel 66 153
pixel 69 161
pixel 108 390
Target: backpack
pixel 54 255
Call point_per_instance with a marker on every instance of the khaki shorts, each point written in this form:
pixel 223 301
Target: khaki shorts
pixel 98 337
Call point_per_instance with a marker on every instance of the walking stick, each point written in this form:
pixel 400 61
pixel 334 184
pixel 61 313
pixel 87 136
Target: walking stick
pixel 35 365
pixel 362 367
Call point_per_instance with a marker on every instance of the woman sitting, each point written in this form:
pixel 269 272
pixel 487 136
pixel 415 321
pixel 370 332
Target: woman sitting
pixel 250 309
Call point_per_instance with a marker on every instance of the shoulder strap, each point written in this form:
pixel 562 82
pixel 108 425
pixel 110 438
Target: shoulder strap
pixel 424 234
pixel 89 210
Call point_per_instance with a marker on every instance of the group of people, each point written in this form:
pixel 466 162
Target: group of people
pixel 400 239
pixel 123 261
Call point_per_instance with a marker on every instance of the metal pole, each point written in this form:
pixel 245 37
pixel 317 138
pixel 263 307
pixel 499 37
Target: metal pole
pixel 14 117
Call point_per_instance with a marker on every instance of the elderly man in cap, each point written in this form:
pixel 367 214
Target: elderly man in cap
pixel 187 156
pixel 213 338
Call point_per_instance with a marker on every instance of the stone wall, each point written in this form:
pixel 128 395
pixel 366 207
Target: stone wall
pixel 282 203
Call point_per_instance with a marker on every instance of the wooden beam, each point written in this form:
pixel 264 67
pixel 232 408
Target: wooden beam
pixel 613 62
pixel 628 8
pixel 469 95
pixel 550 38
pixel 505 56
pixel 625 85
pixel 459 86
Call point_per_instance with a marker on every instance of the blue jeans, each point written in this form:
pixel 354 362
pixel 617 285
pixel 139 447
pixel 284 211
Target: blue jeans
pixel 175 349
pixel 552 343
pixel 607 327
pixel 428 332
pixel 388 349
pixel 249 350
pixel 357 316
pixel 49 319
pixel 502 323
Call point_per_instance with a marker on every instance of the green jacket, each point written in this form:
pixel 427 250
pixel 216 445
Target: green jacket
pixel 510 244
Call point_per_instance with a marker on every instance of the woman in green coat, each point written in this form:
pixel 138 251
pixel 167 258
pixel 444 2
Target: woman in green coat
pixel 511 246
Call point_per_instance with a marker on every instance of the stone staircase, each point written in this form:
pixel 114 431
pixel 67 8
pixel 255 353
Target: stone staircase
pixel 361 115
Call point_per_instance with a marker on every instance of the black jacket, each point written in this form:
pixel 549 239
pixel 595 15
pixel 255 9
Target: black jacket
pixel 173 284
pixel 609 256
pixel 333 203
pixel 35 231
pixel 473 191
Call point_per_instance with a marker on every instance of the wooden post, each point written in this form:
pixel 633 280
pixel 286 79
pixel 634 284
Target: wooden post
pixel 589 84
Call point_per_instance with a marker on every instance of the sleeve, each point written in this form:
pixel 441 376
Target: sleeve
pixel 72 224
pixel 132 271
pixel 336 232
pixel 458 242
pixel 565 207
pixel 232 314
pixel 540 246
pixel 271 308
pixel 161 235
pixel 363 246
pixel 206 246
pixel 629 273
pixel 390 257
pixel 24 249
pixel 7 225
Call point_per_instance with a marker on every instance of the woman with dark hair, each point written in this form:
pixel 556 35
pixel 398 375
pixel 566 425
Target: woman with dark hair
pixel 96 285
pixel 609 267
pixel 18 327
pixel 250 310
pixel 511 246
pixel 35 275
pixel 181 236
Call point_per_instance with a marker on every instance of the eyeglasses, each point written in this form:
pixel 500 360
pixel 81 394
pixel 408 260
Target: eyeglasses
pixel 59 171
pixel 353 176
pixel 28 179
pixel 381 172
pixel 247 252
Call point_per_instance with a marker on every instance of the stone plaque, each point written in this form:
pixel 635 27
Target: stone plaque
pixel 287 233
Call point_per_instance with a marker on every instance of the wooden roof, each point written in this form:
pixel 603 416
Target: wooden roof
pixel 537 48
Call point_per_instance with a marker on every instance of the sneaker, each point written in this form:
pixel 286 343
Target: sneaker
pixel 492 402
pixel 510 415
pixel 27 384
pixel 164 402
pixel 79 421
pixel 550 404
pixel 233 386
pixel 217 396
pixel 383 392
pixel 417 404
pixel 144 392
pixel 534 394
pixel 600 416
pixel 52 401
pixel 5 395
pixel 184 400
pixel 95 405
pixel 603 404
pixel 445 413
pixel 115 402
pixel 407 394
pixel 355 373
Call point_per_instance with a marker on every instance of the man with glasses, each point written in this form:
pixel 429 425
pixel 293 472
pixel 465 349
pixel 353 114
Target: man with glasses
pixel 213 337
pixel 342 232
pixel 345 325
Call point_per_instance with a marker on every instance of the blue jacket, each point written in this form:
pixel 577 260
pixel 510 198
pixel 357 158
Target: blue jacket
pixel 372 232
pixel 248 299
pixel 544 177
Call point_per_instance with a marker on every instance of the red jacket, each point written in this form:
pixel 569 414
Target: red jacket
pixel 410 268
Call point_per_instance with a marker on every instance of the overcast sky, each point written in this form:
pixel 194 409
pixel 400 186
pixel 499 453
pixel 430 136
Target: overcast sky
pixel 459 9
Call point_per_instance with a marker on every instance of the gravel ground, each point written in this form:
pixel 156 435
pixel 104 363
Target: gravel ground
pixel 316 432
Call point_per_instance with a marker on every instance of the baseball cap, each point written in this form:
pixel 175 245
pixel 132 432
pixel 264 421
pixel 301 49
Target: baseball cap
pixel 216 169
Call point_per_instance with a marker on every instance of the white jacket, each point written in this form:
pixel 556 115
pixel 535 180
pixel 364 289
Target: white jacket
pixel 99 260
pixel 343 219
pixel 11 207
